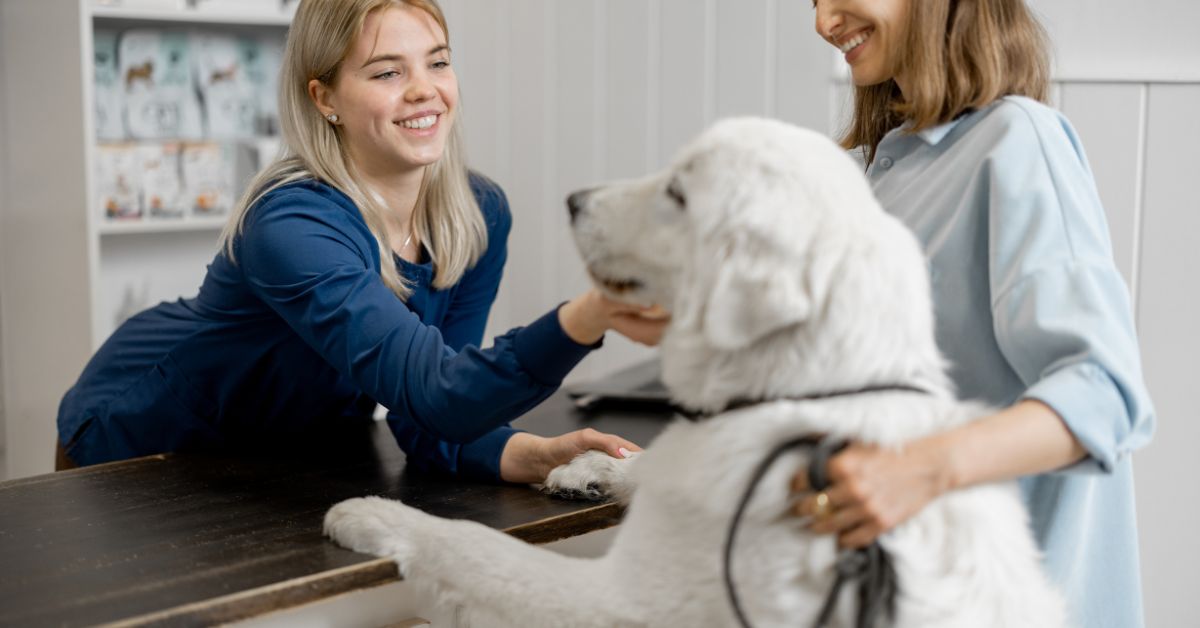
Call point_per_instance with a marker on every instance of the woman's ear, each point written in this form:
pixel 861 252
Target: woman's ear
pixel 322 97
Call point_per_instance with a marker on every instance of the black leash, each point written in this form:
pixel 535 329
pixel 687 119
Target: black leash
pixel 870 565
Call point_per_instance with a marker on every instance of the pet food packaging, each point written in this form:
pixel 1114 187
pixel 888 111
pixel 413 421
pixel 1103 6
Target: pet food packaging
pixel 157 85
pixel 230 98
pixel 162 193
pixel 118 181
pixel 263 62
pixel 107 86
pixel 208 179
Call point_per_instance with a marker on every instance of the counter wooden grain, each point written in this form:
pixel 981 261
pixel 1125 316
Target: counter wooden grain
pixel 186 539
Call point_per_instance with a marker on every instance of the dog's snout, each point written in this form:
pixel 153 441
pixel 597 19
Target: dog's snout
pixel 576 202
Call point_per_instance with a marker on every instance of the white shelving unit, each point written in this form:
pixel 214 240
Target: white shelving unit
pixel 143 261
pixel 182 225
pixel 192 16
pixel 69 273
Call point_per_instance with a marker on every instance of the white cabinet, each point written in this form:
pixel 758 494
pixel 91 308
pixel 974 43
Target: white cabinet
pixel 68 273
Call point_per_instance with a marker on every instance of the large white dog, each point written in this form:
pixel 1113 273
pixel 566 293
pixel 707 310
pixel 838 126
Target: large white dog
pixel 786 280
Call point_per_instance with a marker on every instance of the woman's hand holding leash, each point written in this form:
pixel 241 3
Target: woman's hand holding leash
pixel 871 491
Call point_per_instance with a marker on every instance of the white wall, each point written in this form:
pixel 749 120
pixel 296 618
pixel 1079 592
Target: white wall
pixel 1136 135
pixel 44 250
pixel 563 94
pixel 1099 40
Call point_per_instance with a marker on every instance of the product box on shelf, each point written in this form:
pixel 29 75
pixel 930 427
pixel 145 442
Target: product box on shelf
pixel 208 178
pixel 118 180
pixel 109 123
pixel 230 98
pixel 262 68
pixel 157 83
pixel 162 190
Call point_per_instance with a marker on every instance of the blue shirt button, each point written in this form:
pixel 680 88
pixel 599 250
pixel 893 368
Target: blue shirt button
pixel 885 162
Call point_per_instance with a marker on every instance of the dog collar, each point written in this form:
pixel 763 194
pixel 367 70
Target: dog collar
pixel 738 404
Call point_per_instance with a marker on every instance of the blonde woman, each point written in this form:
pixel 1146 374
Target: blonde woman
pixel 1030 308
pixel 359 268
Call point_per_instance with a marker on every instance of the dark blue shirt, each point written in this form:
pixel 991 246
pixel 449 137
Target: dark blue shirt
pixel 301 335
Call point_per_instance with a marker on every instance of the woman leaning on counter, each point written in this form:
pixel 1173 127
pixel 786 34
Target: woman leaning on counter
pixel 359 268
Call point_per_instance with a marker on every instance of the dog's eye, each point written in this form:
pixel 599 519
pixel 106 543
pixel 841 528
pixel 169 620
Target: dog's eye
pixel 675 191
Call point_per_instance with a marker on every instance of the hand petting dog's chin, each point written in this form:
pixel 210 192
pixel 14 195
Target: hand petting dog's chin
pixel 655 313
pixel 646 307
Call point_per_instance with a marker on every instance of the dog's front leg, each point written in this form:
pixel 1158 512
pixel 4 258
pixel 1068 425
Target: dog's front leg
pixel 499 580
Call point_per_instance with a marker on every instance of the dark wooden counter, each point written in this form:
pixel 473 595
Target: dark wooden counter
pixel 185 540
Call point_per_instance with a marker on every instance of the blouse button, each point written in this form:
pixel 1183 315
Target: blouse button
pixel 885 162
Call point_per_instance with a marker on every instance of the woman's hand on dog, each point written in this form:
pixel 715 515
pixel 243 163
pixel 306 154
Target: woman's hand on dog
pixel 871 491
pixel 587 317
pixel 528 458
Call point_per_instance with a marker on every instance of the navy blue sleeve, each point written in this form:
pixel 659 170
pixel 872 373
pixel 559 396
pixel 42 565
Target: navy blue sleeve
pixel 464 325
pixel 314 262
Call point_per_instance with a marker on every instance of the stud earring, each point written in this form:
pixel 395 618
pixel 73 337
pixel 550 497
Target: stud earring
pixel 333 117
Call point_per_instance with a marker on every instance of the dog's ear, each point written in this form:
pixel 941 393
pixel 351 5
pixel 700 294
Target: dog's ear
pixel 748 302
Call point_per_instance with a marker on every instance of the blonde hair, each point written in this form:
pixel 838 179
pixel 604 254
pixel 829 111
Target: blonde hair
pixel 446 219
pixel 958 55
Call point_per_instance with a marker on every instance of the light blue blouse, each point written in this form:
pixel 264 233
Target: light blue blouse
pixel 1030 305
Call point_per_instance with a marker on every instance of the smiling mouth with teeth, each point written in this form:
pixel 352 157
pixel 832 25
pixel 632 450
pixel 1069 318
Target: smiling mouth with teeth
pixel 419 123
pixel 855 42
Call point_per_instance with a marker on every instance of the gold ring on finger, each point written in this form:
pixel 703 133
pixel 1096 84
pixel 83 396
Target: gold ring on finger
pixel 822 507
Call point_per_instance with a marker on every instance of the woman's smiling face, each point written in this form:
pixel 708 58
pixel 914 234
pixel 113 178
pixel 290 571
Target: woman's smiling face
pixel 396 95
pixel 870 33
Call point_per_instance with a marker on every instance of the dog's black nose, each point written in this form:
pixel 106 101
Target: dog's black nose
pixel 576 202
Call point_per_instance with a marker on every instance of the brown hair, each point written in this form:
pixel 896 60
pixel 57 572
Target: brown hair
pixel 446 218
pixel 959 55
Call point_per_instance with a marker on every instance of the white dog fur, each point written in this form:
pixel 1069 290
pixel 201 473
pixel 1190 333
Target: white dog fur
pixel 785 278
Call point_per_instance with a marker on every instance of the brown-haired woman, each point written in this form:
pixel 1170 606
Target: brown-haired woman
pixel 1030 308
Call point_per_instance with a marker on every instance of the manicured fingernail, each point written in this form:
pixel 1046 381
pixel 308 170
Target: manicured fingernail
pixel 624 452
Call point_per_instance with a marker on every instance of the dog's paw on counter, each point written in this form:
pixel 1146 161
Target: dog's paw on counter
pixel 593 476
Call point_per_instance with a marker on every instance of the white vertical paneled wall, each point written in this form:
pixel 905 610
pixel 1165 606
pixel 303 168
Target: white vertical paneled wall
pixel 1168 310
pixel 560 95
pixel 1138 136
pixel 1130 83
